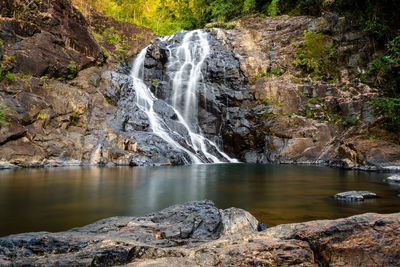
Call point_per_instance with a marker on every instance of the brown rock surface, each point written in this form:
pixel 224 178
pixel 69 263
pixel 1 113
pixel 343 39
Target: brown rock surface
pixel 46 36
pixel 190 235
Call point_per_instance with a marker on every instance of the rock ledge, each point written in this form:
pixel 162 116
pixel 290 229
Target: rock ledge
pixel 199 234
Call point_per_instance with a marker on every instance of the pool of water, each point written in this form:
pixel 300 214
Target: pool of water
pixel 62 198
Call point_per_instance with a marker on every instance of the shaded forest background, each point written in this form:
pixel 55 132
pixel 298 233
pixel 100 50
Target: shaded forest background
pixel 381 18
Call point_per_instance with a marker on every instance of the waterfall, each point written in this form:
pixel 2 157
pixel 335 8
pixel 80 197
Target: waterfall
pixel 185 64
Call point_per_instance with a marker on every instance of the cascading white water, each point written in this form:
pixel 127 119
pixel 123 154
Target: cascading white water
pixel 188 61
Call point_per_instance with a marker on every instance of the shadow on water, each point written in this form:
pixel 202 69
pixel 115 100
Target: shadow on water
pixel 63 198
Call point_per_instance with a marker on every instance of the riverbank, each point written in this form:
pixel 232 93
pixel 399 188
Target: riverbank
pixel 199 234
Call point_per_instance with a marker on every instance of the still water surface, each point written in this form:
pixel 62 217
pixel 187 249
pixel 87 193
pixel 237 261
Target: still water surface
pixel 60 199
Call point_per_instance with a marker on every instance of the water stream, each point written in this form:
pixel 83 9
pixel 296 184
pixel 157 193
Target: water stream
pixel 184 65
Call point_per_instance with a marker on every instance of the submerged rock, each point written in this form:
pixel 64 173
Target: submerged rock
pixel 198 234
pixel 355 195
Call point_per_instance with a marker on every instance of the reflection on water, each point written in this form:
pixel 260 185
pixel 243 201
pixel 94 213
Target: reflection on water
pixel 59 199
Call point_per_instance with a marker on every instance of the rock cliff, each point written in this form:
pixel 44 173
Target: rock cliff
pixel 68 105
pixel 306 119
pixel 199 234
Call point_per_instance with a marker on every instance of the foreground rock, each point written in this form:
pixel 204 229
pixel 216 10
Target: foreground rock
pixel 198 234
pixel 355 195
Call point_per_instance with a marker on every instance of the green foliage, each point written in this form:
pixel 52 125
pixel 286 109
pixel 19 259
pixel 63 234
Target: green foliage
pixel 74 119
pixel 292 114
pixel 3 115
pixel 112 36
pixel 267 101
pixel 224 10
pixel 44 79
pixel 122 48
pixel 385 70
pixel 1 42
pixel 229 26
pixel 249 7
pixel 379 17
pixel 109 100
pixel 106 54
pixel 375 28
pixel 275 71
pixel 10 59
pixel 316 56
pixel 72 70
pixel 3 69
pixel 10 77
pixel 43 115
pixel 273 9
pixel 389 109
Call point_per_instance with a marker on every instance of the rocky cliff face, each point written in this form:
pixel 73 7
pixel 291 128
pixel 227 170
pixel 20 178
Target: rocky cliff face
pixel 199 234
pixel 56 122
pixel 294 118
pixel 258 105
pixel 44 37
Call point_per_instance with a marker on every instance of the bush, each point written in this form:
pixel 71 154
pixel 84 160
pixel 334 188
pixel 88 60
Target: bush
pixel 72 69
pixel 273 9
pixel 389 109
pixel 3 115
pixel 248 7
pixel 386 69
pixel 316 56
pixel 10 77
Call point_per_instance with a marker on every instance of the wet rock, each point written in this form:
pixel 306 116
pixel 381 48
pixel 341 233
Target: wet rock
pixel 355 195
pixel 198 234
pixel 393 179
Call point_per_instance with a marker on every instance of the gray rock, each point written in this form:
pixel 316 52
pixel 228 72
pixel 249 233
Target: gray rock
pixel 236 220
pixel 393 179
pixel 355 195
pixel 198 234
pixel 119 240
